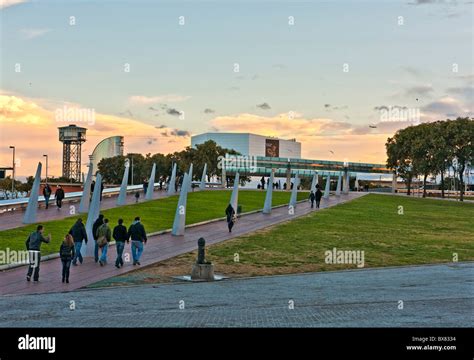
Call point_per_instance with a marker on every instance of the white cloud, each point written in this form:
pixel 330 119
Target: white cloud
pixel 169 98
pixel 33 33
pixel 7 3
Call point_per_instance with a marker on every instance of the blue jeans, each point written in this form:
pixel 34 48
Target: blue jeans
pixel 77 255
pixel 96 251
pixel 103 256
pixel 120 246
pixel 137 250
pixel 46 201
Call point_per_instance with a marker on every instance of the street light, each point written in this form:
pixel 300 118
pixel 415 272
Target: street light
pixel 13 176
pixel 46 156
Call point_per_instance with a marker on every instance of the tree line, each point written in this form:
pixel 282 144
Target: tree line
pixel 112 169
pixel 432 149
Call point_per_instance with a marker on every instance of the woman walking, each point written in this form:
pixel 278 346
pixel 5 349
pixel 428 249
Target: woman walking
pixel 67 252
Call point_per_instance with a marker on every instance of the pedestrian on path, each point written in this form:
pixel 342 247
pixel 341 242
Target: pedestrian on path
pixel 104 236
pixel 33 245
pixel 79 234
pixel 47 193
pixel 137 234
pixel 102 186
pixel 318 196
pixel 230 217
pixel 95 227
pixel 67 253
pixel 145 186
pixel 312 197
pixel 59 196
pixel 92 189
pixel 120 236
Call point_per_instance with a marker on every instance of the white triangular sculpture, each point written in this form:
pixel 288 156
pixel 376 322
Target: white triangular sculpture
pixel 346 185
pixel 338 187
pixel 294 192
pixel 172 183
pixel 94 210
pixel 32 208
pixel 179 223
pixel 202 186
pixel 190 187
pixel 267 207
pixel 86 192
pixel 121 200
pixel 314 182
pixel 151 184
pixel 234 198
pixel 327 188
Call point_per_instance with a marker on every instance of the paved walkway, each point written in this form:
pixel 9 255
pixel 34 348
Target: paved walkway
pixel 432 295
pixel 13 219
pixel 158 248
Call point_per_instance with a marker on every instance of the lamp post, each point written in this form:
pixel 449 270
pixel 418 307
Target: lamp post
pixel 46 156
pixel 13 175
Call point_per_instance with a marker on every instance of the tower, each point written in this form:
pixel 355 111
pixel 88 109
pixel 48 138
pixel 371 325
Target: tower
pixel 72 138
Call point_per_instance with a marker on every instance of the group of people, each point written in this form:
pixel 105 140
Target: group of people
pixel 315 196
pixel 58 195
pixel 70 249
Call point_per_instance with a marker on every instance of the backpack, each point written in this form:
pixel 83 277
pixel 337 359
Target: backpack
pixel 65 251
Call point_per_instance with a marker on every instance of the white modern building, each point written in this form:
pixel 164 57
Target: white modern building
pixel 252 144
pixel 107 148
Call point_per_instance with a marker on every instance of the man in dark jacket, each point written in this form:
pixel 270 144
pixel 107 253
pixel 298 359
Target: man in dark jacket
pixel 312 197
pixel 95 227
pixel 47 193
pixel 78 232
pixel 101 189
pixel 318 196
pixel 120 235
pixel 138 235
pixel 230 217
pixel 59 196
pixel 33 245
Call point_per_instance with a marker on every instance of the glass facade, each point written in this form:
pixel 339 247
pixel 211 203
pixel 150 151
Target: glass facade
pixel 109 147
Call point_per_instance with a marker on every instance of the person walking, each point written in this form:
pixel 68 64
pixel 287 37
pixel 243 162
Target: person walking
pixel 47 193
pixel 145 186
pixel 120 235
pixel 92 188
pixel 79 234
pixel 230 215
pixel 67 253
pixel 102 186
pixel 318 196
pixel 312 197
pixel 59 196
pixel 137 233
pixel 104 236
pixel 262 181
pixel 33 245
pixel 95 227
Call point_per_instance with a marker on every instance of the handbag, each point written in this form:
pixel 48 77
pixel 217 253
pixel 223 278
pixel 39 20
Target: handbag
pixel 101 241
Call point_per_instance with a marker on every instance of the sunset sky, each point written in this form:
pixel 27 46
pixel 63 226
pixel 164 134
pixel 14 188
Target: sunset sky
pixel 158 72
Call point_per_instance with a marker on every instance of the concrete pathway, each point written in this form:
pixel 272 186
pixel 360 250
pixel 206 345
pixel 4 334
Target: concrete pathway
pixel 158 248
pixel 431 295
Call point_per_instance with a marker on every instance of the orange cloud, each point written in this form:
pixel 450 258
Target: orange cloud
pixel 32 129
pixel 321 138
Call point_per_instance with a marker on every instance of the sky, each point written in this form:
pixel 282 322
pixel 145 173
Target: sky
pixel 334 75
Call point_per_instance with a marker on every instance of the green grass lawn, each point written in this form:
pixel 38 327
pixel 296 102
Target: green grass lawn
pixel 429 231
pixel 155 215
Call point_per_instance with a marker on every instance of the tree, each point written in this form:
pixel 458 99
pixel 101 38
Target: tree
pixel 461 140
pixel 400 155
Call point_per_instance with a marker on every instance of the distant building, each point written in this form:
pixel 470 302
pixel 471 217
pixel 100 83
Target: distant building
pixel 252 144
pixel 109 147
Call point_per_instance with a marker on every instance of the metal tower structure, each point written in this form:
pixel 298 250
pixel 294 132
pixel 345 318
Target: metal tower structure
pixel 72 138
